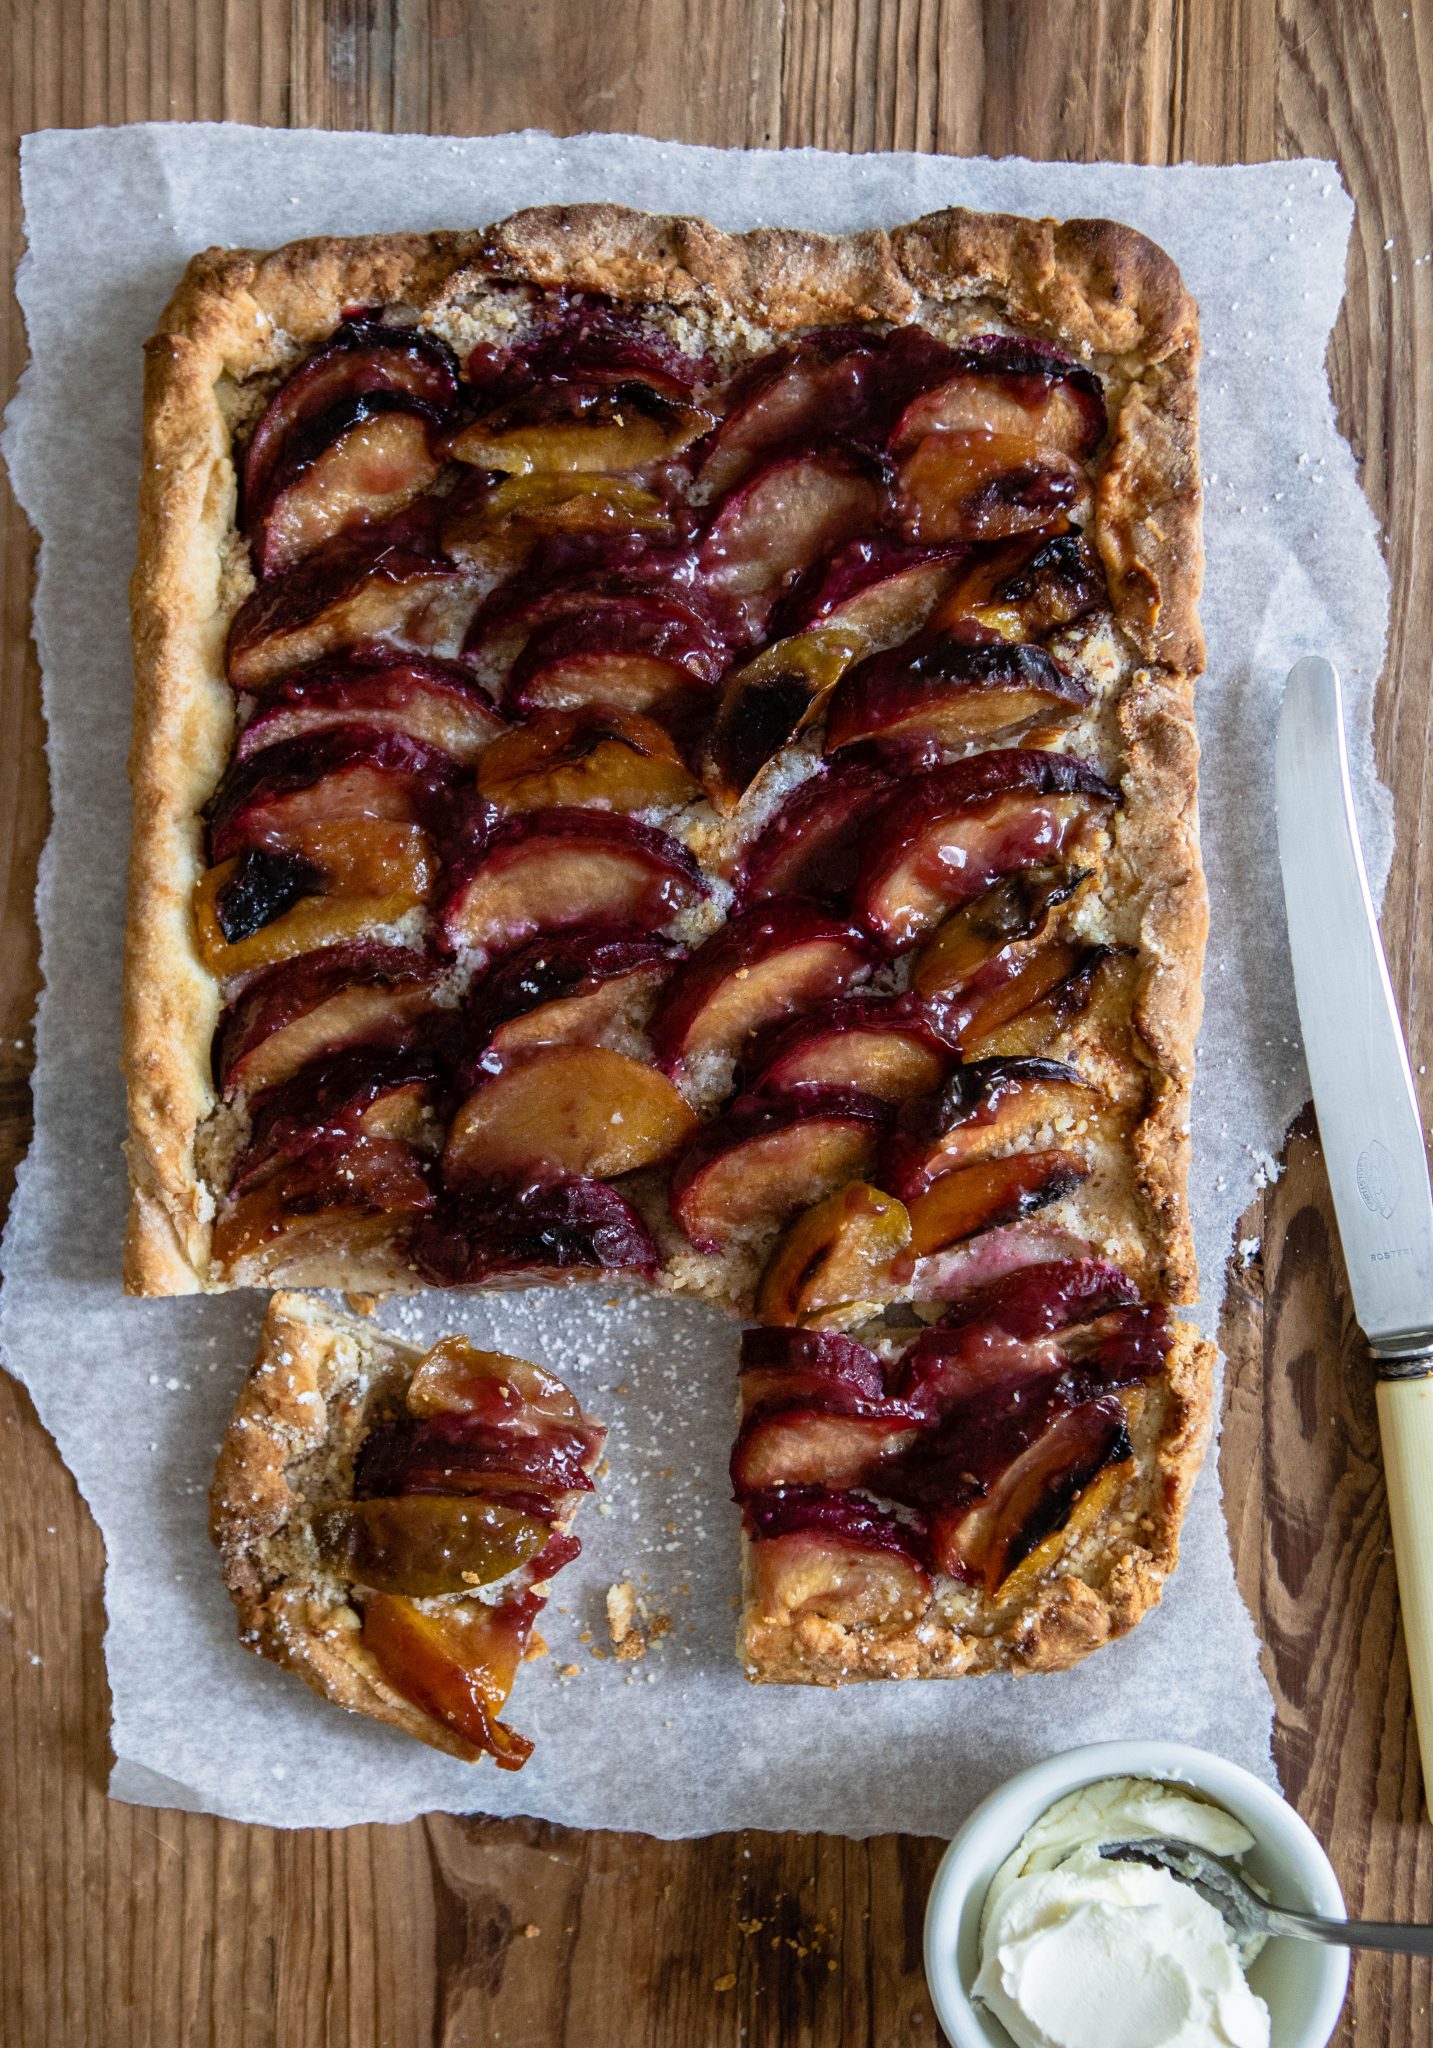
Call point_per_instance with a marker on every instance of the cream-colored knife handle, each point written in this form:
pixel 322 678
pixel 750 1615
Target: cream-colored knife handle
pixel 1405 1422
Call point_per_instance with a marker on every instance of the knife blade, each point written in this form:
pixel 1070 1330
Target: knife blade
pixel 1369 1121
pixel 1369 1125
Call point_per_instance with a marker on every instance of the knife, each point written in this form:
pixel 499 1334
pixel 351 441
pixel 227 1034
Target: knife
pixel 1369 1125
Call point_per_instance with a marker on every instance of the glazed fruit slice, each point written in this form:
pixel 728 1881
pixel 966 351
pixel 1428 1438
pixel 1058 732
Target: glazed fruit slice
pixel 833 1263
pixel 392 585
pixel 549 869
pixel 1035 1300
pixel 578 1229
pixel 632 657
pixel 346 1197
pixel 594 755
pixel 456 1663
pixel 949 834
pixel 873 593
pixel 312 923
pixel 787 515
pixel 566 1112
pixel 622 428
pixel 765 964
pixel 348 773
pixel 833 1557
pixel 456 1453
pixel 363 355
pixel 426 1545
pixel 1004 1335
pixel 813 845
pixel 1010 914
pixel 929 703
pixel 606 586
pixel 766 1158
pixel 807 1366
pixel 1024 589
pixel 889 1047
pixel 1001 385
pixel 960 1269
pixel 317 1005
pixel 986 1107
pixel 498 521
pixel 377 1091
pixel 349 468
pixel 811 1445
pixel 1060 989
pixel 995 1191
pixel 985 487
pixel 563 988
pixel 433 702
pixel 458 1378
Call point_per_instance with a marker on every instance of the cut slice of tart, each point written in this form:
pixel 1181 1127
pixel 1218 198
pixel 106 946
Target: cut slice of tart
pixel 390 1519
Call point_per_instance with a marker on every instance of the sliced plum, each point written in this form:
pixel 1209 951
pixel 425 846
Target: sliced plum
pixel 984 487
pixel 807 1365
pixel 334 776
pixel 835 1259
pixel 969 1199
pixel 813 845
pixel 483 1236
pixel 632 657
pixel 766 1158
pixel 811 1445
pixel 594 755
pixel 457 1378
pixel 1007 916
pixel 352 467
pixel 456 1664
pixel 361 356
pixel 1024 589
pixel 377 1091
pixel 834 1557
pixel 890 1047
pixel 349 1195
pixel 986 1106
pixel 549 869
pixel 876 591
pixel 392 585
pixel 1034 1300
pixel 932 700
pixel 777 523
pixel 1005 385
pixel 563 987
pixel 948 834
pixel 767 963
pixel 1062 986
pixel 425 1545
pixel 433 702
pixel 317 1005
pixel 622 428
pixel 565 1112
pixel 454 1452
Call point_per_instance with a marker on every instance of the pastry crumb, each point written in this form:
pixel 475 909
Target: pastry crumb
pixel 365 1304
pixel 531 1931
pixel 629 1639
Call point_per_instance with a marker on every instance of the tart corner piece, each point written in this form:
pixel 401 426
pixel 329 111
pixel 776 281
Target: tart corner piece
pixel 389 1519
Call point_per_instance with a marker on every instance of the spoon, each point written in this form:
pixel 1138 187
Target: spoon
pixel 1251 1918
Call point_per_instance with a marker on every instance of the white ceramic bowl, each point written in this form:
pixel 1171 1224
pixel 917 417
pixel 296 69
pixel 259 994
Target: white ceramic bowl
pixel 1302 1982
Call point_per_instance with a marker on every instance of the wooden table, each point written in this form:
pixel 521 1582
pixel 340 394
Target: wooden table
pixel 122 1928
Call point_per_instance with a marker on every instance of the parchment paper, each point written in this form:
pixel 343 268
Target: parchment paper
pixel 137 1394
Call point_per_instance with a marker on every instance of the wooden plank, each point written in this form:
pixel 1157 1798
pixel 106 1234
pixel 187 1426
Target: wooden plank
pixel 126 1927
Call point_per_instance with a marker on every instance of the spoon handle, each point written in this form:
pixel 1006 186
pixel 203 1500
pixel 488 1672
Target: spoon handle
pixel 1397 1938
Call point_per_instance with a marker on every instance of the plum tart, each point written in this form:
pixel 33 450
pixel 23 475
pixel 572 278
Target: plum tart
pixel 668 756
pixel 390 1519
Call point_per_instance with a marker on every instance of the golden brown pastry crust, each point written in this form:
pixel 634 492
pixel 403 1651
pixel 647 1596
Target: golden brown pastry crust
pixel 299 1414
pixel 1098 289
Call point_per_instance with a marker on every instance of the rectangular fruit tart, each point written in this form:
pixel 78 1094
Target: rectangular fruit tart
pixel 668 755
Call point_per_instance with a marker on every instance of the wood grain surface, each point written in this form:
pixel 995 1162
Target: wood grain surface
pixel 123 1928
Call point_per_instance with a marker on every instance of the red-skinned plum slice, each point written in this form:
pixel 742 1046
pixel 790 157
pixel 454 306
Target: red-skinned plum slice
pixel 930 702
pixel 1003 385
pixel 456 1453
pixel 767 1158
pixel 1034 1300
pixel 390 585
pixel 565 1112
pixel 317 1005
pixel 377 1091
pixel 595 755
pixel 623 428
pixel 1000 925
pixel 836 1556
pixel 350 468
pixel 820 1445
pixel 347 1196
pixel 877 590
pixel 890 1047
pixel 985 487
pixel 456 1664
pixel 990 1192
pixel 339 774
pixel 834 1261
pixel 949 834
pixel 813 844
pixel 765 964
pixel 807 1366
pixel 562 987
pixel 548 869
pixel 985 1107
pixel 433 702
pixel 485 1236
pixel 360 357
pixel 632 657
pixel 776 524
pixel 1024 589
pixel 457 1378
